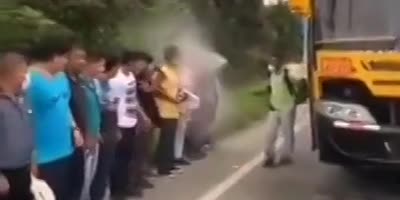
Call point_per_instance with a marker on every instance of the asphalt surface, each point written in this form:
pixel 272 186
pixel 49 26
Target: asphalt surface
pixel 233 172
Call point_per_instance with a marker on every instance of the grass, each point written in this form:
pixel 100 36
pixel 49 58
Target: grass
pixel 249 106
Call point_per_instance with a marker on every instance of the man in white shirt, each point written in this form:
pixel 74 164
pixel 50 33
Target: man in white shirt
pixel 123 91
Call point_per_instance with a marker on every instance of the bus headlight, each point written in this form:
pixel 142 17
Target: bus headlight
pixel 345 111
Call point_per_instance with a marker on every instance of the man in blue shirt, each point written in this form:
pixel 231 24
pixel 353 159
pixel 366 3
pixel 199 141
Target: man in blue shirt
pixel 49 95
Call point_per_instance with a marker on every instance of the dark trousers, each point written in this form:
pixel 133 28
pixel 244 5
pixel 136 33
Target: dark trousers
pixel 107 154
pixel 78 169
pixel 60 176
pixel 120 175
pixel 20 183
pixel 165 149
pixel 103 173
pixel 140 159
pixel 148 138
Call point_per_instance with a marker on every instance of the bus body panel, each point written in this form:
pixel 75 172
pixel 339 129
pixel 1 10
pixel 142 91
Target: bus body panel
pixel 379 71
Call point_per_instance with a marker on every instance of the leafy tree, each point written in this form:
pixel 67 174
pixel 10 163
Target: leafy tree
pixel 23 25
pixel 94 21
pixel 285 32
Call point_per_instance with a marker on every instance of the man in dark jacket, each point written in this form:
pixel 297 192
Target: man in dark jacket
pixel 76 61
pixel 148 118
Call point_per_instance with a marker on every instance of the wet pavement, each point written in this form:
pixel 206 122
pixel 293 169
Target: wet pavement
pixel 234 172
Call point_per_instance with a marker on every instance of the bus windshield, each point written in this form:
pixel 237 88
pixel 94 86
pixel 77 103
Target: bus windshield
pixel 345 20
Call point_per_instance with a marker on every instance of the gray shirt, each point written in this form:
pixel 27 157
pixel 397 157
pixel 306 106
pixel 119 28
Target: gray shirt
pixel 16 135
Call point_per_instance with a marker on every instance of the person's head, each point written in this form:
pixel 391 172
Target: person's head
pixel 95 65
pixel 172 55
pixel 113 63
pixel 13 70
pixel 140 62
pixel 53 52
pixel 76 58
pixel 136 61
pixel 277 63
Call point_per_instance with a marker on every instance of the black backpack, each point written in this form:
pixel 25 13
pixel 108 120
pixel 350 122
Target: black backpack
pixel 299 91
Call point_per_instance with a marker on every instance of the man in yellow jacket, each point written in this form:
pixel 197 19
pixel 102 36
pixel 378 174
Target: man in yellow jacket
pixel 168 97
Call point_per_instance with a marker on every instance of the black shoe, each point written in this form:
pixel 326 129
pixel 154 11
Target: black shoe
pixel 269 163
pixel 146 184
pixel 174 168
pixel 182 161
pixel 164 172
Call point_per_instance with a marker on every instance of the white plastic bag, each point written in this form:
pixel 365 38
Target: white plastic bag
pixel 193 101
pixel 40 190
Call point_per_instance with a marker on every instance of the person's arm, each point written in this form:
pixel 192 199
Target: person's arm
pixel 43 94
pixel 4 186
pixel 146 120
pixel 269 93
pixel 77 134
pixel 77 107
pixel 160 91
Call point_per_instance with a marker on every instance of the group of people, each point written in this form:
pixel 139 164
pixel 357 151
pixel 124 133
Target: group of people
pixel 83 120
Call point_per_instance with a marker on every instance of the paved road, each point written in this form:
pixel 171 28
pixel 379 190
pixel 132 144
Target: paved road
pixel 233 172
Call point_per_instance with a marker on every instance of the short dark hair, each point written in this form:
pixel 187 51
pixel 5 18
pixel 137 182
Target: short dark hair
pixel 112 61
pixel 47 48
pixel 133 56
pixel 170 52
pixel 95 55
pixel 126 57
pixel 9 61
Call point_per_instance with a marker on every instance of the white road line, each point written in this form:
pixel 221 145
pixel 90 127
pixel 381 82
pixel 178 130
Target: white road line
pixel 217 191
pixel 221 188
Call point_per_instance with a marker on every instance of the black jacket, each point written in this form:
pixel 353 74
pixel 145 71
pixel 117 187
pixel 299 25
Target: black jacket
pixel 148 102
pixel 78 101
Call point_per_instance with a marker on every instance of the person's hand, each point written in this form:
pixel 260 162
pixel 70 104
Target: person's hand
pixel 4 185
pixel 182 96
pixel 102 76
pixel 147 123
pixel 100 139
pixel 78 139
pixel 118 136
pixel 90 143
pixel 145 86
pixel 34 170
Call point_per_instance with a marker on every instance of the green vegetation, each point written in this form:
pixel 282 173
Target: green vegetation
pixel 245 32
pixel 249 104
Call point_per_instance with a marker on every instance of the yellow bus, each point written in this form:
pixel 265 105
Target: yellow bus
pixel 353 52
